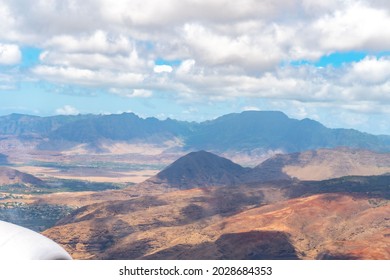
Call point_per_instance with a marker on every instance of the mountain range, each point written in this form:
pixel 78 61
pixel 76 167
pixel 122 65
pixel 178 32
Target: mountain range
pixel 246 131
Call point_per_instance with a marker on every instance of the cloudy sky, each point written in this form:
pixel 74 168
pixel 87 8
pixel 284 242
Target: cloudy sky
pixel 198 59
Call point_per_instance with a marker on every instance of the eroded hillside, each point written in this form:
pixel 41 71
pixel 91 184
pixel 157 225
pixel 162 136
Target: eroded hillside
pixel 211 223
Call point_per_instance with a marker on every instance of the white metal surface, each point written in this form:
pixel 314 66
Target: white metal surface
pixel 19 243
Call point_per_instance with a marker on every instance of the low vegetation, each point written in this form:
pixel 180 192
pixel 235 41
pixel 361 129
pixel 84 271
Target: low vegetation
pixel 37 217
pixel 60 185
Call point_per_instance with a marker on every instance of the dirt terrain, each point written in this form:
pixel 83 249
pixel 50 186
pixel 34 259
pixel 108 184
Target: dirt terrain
pixel 212 223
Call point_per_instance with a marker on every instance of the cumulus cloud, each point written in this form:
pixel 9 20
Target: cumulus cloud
pixel 96 61
pixel 358 26
pixel 67 110
pixel 10 54
pixel 87 77
pixel 97 42
pixel 136 93
pixel 244 51
pixel 162 68
pixel 371 70
pixel 250 108
pixel 223 50
pixel 355 83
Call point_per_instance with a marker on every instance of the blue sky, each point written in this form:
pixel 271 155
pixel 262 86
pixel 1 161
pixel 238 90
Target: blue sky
pixel 325 60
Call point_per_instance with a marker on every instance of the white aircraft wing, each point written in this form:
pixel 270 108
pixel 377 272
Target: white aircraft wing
pixel 19 243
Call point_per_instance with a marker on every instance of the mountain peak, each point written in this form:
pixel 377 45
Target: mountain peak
pixel 264 113
pixel 254 116
pixel 10 176
pixel 200 169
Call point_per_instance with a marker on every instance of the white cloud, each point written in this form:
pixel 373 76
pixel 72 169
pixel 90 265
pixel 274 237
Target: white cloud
pixel 148 13
pixel 245 51
pixel 87 77
pixel 371 70
pixel 67 110
pixel 10 54
pixel 191 110
pixel 97 42
pixel 135 93
pixel 250 108
pixel 8 81
pixel 186 67
pixel 35 24
pixel 359 26
pixel 7 21
pixel 305 83
pixel 107 26
pixel 162 69
pixel 141 93
pixel 95 61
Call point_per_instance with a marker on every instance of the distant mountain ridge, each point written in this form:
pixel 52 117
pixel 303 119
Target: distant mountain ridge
pixel 23 125
pixel 246 131
pixel 127 126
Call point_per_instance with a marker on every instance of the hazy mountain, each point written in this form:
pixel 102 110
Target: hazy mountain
pixel 320 165
pixel 26 125
pixel 125 127
pixel 274 130
pixel 245 131
pixel 9 176
pixel 199 169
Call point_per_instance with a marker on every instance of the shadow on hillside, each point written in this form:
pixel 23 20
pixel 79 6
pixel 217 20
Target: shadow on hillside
pixel 330 256
pixel 271 170
pixel 111 209
pixel 135 250
pixel 367 186
pixel 253 245
pixel 218 201
pixel 226 202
